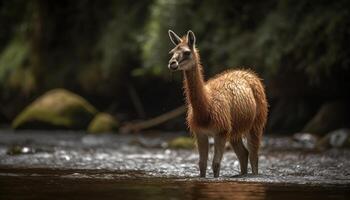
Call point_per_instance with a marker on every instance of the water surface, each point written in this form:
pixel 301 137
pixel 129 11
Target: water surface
pixel 56 165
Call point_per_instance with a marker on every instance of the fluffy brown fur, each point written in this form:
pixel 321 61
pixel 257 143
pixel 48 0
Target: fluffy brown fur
pixel 231 106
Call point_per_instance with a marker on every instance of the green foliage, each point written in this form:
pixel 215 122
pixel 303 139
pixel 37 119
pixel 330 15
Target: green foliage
pixel 164 15
pixel 15 72
pixel 118 43
pixel 270 36
pixel 17 76
pixel 11 14
pixel 305 37
pixel 13 57
pixel 217 25
pixel 96 48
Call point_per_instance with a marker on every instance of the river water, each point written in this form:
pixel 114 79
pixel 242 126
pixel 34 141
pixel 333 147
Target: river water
pixel 75 165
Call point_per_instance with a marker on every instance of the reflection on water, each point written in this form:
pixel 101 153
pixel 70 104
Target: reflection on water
pixel 67 184
pixel 225 191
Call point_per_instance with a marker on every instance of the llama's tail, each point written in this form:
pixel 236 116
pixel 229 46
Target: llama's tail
pixel 261 105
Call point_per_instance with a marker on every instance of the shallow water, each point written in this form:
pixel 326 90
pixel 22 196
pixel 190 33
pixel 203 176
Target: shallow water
pixel 93 184
pixel 60 165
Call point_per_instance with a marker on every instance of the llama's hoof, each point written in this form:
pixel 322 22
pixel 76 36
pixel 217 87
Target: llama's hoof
pixel 216 169
pixel 202 174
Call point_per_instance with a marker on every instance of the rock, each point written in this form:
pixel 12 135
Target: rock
pixel 103 123
pixel 18 150
pixel 340 138
pixel 337 139
pixel 181 143
pixel 305 140
pixel 56 109
pixel 331 116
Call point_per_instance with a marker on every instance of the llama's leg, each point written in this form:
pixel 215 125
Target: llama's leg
pixel 253 141
pixel 242 154
pixel 203 147
pixel 219 145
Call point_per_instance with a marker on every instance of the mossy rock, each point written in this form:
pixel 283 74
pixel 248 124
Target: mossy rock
pixel 339 138
pixel 181 143
pixel 56 109
pixel 103 123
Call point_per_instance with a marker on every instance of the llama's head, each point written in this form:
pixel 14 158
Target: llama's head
pixel 183 55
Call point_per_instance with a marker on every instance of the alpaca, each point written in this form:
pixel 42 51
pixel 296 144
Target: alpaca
pixel 229 107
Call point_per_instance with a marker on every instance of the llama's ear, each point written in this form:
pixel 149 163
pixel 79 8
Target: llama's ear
pixel 191 39
pixel 174 38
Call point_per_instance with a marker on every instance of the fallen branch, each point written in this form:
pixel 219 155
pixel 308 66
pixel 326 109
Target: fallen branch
pixel 138 126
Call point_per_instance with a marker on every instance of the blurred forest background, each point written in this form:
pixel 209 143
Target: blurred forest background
pixel 114 54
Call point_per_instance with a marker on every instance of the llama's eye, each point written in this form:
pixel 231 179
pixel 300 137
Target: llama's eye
pixel 187 53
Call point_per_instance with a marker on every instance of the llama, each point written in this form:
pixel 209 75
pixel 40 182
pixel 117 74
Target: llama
pixel 229 107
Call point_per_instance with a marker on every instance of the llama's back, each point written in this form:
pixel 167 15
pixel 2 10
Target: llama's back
pixel 239 96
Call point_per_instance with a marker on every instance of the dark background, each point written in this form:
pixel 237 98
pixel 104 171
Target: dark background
pixel 107 50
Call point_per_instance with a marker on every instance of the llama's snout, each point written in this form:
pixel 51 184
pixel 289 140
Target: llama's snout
pixel 173 65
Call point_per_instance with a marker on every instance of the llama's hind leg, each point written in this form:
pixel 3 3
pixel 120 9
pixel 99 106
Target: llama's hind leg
pixel 203 147
pixel 253 142
pixel 242 154
pixel 219 148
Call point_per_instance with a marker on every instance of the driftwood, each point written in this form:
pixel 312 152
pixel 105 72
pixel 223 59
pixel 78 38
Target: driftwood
pixel 138 126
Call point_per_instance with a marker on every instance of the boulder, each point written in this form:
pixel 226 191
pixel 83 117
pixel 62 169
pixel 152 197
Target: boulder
pixel 335 139
pixel 305 140
pixel 103 123
pixel 56 109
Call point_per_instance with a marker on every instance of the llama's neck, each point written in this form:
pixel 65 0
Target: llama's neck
pixel 196 93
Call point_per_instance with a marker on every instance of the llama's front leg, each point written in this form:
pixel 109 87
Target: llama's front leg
pixel 203 147
pixel 219 145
